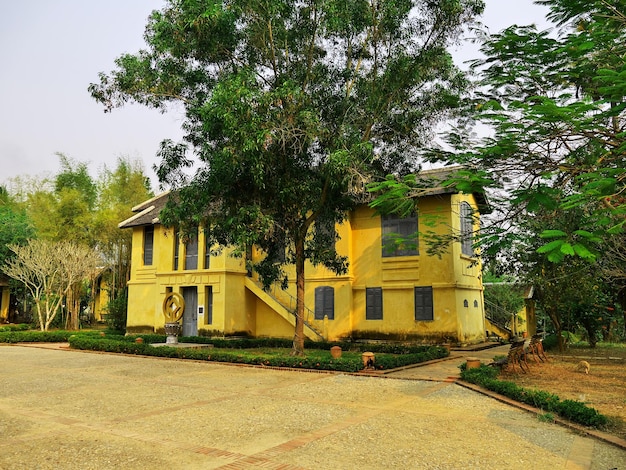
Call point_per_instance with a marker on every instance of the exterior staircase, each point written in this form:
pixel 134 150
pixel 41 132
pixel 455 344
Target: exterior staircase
pixel 288 312
pixel 495 327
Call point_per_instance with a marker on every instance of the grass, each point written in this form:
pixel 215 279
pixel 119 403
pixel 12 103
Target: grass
pixel 603 388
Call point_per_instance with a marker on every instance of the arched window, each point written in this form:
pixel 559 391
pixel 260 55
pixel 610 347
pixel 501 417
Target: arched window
pixel 467 229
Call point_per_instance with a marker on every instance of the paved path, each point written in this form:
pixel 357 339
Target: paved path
pixel 448 370
pixel 63 409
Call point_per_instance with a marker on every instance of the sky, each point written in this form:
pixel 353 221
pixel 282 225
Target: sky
pixel 50 51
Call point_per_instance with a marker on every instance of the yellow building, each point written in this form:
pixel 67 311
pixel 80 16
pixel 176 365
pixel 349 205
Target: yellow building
pixel 387 293
pixel 5 297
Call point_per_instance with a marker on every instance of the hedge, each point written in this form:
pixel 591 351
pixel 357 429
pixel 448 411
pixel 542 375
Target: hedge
pixel 56 336
pixel 237 352
pixel 437 352
pixel 388 356
pixel 575 411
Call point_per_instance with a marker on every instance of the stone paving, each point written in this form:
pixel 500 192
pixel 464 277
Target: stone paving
pixel 65 409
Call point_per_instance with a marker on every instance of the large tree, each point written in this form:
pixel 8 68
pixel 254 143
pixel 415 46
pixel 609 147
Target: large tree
pixel 49 270
pixel 15 226
pixel 289 108
pixel 554 102
pixel 119 189
pixel 552 147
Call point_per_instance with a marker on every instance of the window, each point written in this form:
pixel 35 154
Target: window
pixel 208 296
pixel 176 250
pixel 191 252
pixel 424 304
pixel 324 303
pixel 399 235
pixel 467 229
pixel 207 252
pixel 374 303
pixel 148 245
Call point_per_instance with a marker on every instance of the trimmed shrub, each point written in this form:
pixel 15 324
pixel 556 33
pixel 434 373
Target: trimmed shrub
pixel 117 311
pixel 575 411
pixel 580 413
pixel 237 351
pixel 20 327
pixel 57 336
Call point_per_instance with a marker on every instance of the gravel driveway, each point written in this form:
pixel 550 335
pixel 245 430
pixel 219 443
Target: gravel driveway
pixel 63 409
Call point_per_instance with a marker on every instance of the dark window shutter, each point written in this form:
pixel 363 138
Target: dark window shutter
pixel 176 250
pixel 424 304
pixel 207 252
pixel 148 245
pixel 324 302
pixel 374 303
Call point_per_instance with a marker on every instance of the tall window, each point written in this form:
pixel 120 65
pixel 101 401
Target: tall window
pixel 424 303
pixel 176 250
pixel 399 235
pixel 374 303
pixel 324 303
pixel 191 252
pixel 208 296
pixel 148 245
pixel 207 252
pixel 467 229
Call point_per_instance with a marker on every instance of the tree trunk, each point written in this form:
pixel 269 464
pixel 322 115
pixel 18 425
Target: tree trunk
pixel 42 323
pixel 556 321
pixel 591 332
pixel 298 339
pixel 72 302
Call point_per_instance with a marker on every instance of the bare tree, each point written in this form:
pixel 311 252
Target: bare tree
pixel 49 270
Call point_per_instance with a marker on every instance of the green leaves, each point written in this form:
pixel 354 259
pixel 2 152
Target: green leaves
pixel 555 106
pixel 580 243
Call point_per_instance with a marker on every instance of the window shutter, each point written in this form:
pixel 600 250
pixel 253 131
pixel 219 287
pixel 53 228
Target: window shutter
pixel 148 245
pixel 324 302
pixel 374 303
pixel 424 304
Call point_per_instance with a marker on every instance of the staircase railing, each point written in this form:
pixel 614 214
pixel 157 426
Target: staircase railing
pixel 291 306
pixel 499 309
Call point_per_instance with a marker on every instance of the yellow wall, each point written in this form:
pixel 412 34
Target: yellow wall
pixel 5 298
pixel 237 310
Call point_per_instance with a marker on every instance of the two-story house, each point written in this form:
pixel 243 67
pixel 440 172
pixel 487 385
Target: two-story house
pixel 388 292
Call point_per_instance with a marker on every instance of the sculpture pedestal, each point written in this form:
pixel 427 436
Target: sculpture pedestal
pixel 172 330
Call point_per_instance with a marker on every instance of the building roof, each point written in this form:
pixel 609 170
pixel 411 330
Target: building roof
pixel 434 179
pixel 147 213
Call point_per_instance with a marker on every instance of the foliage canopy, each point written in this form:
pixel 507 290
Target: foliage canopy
pixel 290 107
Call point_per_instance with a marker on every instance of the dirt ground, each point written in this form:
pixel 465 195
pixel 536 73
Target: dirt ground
pixel 604 388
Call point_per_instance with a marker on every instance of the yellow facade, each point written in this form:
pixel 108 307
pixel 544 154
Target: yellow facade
pixel 229 302
pixel 5 297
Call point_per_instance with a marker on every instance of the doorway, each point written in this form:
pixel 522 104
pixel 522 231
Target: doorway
pixel 190 315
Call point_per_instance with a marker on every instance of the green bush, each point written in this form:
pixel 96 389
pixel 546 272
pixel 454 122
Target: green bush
pixel 575 411
pixel 426 352
pixel 237 351
pixel 116 313
pixel 57 336
pixel 580 413
pixel 215 354
pixel 20 327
